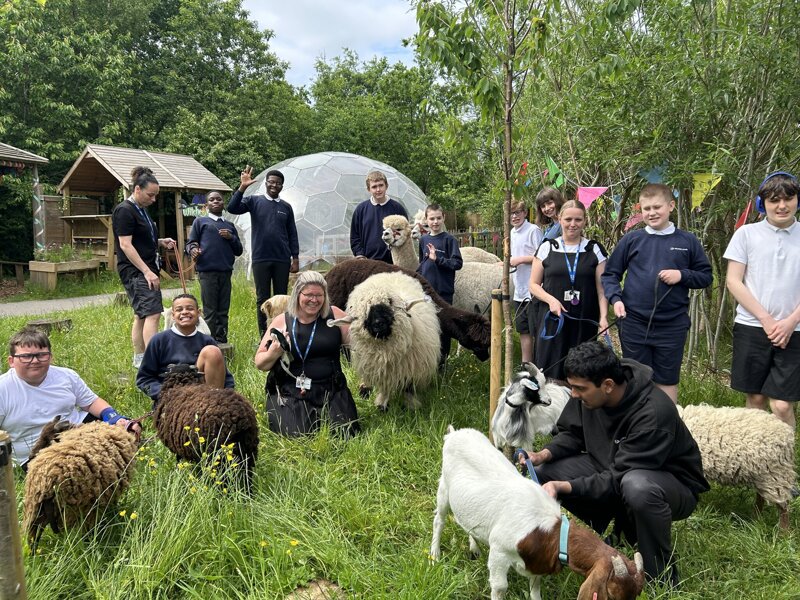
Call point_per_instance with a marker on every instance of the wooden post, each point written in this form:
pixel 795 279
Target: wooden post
pixel 12 573
pixel 67 211
pixel 496 362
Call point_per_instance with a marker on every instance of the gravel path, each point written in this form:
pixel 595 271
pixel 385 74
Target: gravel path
pixel 44 307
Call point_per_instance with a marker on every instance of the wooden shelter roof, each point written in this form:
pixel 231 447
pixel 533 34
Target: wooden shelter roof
pixel 14 157
pixel 106 168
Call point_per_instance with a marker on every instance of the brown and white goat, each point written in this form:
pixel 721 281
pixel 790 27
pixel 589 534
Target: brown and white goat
pixel 521 524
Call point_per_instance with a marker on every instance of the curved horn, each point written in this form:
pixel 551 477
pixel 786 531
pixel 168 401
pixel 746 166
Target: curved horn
pixel 530 384
pixel 531 368
pixel 620 570
pixel 425 298
pixel 639 561
pixel 336 322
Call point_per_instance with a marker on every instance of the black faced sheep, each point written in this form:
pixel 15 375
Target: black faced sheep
pixel 527 406
pixel 474 281
pixel 522 525
pixel 193 420
pixel 73 480
pixel 394 335
pixel 472 331
pixel 745 446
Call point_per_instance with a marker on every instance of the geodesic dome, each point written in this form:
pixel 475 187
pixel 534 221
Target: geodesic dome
pixel 324 189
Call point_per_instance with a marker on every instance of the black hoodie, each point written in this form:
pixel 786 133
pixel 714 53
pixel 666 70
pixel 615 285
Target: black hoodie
pixel 644 431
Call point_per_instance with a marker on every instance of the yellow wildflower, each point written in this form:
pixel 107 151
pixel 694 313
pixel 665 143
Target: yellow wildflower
pixel 134 515
pixel 122 513
pixel 293 543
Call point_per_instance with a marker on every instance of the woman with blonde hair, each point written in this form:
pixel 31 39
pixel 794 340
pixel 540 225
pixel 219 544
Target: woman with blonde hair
pixel 306 384
pixel 565 279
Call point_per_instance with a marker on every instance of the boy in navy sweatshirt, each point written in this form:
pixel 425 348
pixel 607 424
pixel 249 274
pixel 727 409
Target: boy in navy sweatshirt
pixel 366 226
pixel 439 259
pixel 274 247
pixel 214 243
pixel 663 263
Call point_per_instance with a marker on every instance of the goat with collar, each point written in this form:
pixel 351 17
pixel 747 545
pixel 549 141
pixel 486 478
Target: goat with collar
pixel 521 524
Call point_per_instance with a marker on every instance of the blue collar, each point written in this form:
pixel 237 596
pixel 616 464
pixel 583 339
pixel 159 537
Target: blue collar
pixel 562 541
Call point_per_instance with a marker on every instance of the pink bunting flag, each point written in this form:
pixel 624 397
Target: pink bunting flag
pixel 587 195
pixel 635 219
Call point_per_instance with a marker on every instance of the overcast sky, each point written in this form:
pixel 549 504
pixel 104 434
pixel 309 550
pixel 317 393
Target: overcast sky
pixel 305 30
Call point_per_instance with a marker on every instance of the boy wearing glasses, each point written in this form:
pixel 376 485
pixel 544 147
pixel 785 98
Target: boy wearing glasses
pixel 33 392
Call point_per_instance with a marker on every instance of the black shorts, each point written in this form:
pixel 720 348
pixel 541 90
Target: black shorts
pixel 521 316
pixel 145 302
pixel 658 347
pixel 758 367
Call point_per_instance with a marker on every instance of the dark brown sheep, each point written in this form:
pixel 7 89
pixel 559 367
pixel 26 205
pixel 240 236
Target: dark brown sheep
pixel 72 481
pixel 473 331
pixel 192 418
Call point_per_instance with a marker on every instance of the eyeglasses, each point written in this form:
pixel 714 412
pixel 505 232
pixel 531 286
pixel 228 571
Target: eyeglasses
pixel 312 296
pixel 28 358
pixel 519 212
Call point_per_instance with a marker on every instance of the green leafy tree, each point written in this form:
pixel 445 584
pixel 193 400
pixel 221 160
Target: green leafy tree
pixel 490 47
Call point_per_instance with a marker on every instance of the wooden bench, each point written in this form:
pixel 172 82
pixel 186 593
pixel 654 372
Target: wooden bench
pixel 18 270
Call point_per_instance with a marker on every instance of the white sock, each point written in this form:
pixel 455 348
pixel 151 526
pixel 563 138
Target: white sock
pixel 137 360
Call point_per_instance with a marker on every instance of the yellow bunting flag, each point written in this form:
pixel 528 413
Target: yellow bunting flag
pixel 703 184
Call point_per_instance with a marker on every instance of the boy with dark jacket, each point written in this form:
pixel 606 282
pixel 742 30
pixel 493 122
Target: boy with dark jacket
pixel 214 243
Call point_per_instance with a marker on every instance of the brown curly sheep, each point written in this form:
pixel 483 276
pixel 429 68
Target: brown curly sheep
pixel 74 480
pixel 192 418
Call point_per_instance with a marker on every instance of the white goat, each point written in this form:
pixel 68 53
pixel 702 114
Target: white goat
pixel 521 524
pixel 394 336
pixel 527 406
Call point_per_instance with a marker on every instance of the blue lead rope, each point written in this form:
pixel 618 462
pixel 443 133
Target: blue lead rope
pixel 531 471
pixel 563 538
pixel 560 324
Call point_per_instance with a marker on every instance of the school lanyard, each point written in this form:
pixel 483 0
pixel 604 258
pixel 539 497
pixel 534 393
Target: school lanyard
pixel 147 220
pixel 308 347
pixel 572 269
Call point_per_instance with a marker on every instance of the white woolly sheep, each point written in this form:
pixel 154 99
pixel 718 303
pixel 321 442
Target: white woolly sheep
pixel 472 330
pixel 746 446
pixel 394 336
pixel 521 524
pixel 474 281
pixel 73 480
pixel 527 406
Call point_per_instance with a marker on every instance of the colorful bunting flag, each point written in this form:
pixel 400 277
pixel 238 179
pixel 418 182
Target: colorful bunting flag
pixel 654 174
pixel 587 195
pixel 703 184
pixel 743 217
pixel 617 198
pixel 635 219
pixel 555 173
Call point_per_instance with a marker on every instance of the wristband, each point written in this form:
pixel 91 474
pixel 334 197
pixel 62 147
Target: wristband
pixel 110 416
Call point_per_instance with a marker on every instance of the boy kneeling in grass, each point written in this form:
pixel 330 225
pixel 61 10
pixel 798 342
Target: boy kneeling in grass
pixel 182 344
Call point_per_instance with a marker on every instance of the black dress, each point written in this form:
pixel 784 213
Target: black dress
pixel 292 413
pixel 556 282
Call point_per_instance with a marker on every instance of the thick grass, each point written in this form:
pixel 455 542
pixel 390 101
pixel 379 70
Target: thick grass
pixel 357 512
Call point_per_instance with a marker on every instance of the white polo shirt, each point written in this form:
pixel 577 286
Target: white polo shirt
pixel 524 241
pixel 771 256
pixel 25 409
